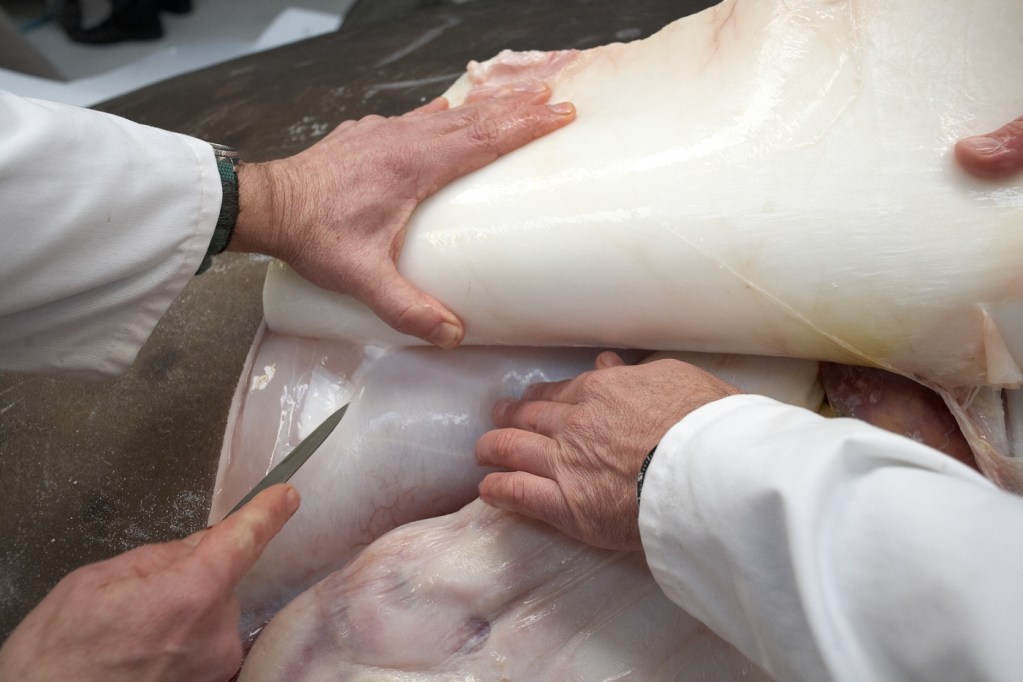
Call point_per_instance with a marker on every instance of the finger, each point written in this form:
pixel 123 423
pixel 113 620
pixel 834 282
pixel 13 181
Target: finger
pixel 230 548
pixel 143 561
pixel 564 391
pixel 517 450
pixel 490 104
pixel 195 538
pixel 533 496
pixel 505 125
pixel 609 359
pixel 995 155
pixel 538 416
pixel 536 92
pixel 495 130
pixel 412 311
pixel 431 107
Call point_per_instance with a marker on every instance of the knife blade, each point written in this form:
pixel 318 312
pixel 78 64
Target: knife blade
pixel 287 467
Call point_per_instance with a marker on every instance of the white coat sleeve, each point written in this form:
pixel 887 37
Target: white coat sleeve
pixel 102 223
pixel 830 549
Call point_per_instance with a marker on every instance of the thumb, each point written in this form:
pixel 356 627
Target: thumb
pixel 609 359
pixel 433 106
pixel 527 494
pixel 230 548
pixel 995 155
pixel 412 311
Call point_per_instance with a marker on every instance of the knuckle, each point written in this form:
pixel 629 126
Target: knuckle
pixel 263 525
pixel 1013 128
pixel 504 441
pixel 403 318
pixel 530 420
pixel 579 423
pixel 517 491
pixel 372 120
pixel 591 382
pixel 585 432
pixel 521 415
pixel 83 578
pixel 345 125
pixel 484 132
pixel 410 174
pixel 411 318
pixel 1011 136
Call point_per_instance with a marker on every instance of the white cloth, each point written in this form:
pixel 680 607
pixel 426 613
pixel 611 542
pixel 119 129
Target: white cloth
pixel 830 549
pixel 102 223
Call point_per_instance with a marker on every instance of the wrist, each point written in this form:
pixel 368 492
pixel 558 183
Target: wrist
pixel 261 200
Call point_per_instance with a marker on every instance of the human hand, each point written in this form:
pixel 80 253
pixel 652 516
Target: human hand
pixel 575 447
pixel 996 155
pixel 337 211
pixel 160 612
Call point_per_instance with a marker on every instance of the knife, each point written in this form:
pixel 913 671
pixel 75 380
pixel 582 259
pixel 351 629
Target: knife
pixel 287 467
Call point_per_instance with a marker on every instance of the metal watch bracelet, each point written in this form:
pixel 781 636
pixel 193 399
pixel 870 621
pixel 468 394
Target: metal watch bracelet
pixel 227 163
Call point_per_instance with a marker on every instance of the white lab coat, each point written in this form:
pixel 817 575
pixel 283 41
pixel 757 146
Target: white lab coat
pixel 830 549
pixel 102 223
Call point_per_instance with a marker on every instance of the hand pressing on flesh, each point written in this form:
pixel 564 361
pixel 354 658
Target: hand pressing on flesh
pixel 995 155
pixel 337 211
pixel 574 448
pixel 160 612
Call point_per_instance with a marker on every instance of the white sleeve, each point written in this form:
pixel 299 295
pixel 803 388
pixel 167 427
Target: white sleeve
pixel 829 549
pixel 102 223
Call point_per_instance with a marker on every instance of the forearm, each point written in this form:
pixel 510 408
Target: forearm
pixel 829 549
pixel 104 222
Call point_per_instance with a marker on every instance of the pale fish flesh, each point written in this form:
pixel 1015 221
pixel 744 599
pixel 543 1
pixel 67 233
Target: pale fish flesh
pixel 404 450
pixel 763 177
pixel 484 594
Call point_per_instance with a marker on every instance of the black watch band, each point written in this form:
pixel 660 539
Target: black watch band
pixel 642 474
pixel 227 164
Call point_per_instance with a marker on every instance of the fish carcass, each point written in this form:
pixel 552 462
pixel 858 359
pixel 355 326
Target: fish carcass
pixel 767 177
pixel 484 594
pixel 404 450
pixel 764 177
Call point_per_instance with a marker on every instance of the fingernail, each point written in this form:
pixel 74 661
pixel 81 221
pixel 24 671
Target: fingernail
pixel 562 108
pixel 983 145
pixel 292 499
pixel 445 335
